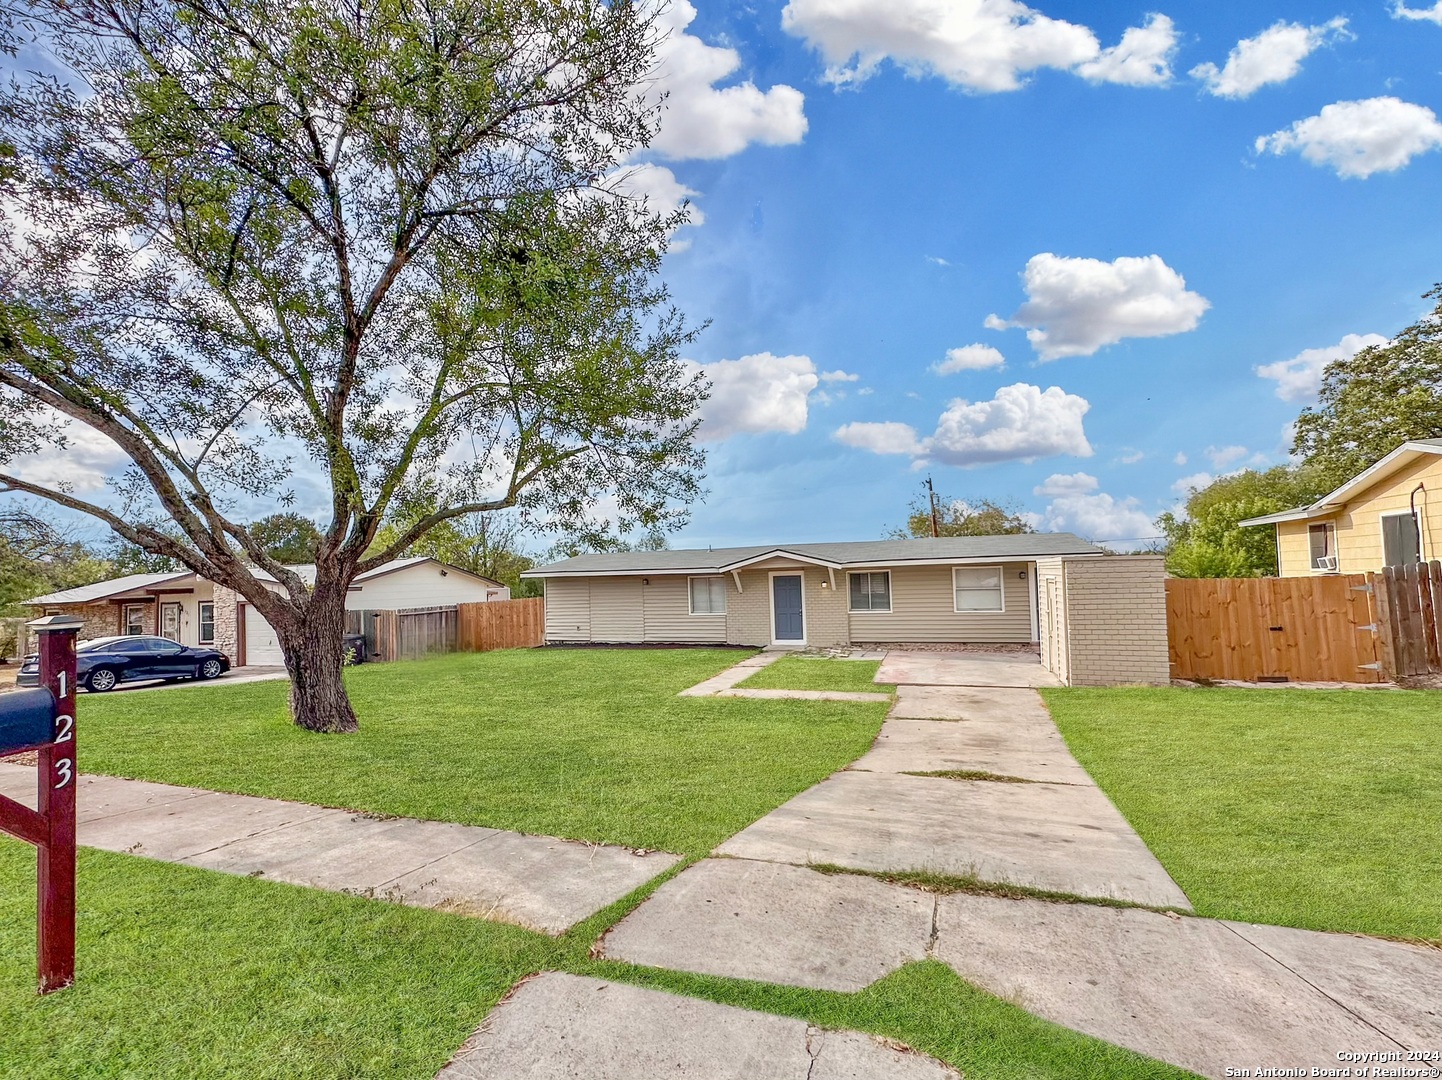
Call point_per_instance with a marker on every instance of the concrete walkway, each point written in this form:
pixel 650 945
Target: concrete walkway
pixel 724 684
pixel 568 1027
pixel 538 882
pixel 1203 994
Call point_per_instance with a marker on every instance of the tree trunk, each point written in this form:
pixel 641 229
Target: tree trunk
pixel 314 648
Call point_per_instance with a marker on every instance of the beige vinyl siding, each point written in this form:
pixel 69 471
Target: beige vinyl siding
pixel 616 610
pixel 1294 548
pixel 568 609
pixel 668 618
pixel 923 609
pixel 421 585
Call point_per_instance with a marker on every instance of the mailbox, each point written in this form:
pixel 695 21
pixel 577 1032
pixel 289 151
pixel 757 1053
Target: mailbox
pixel 27 719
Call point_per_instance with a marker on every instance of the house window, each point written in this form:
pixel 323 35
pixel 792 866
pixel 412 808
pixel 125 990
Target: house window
pixel 207 622
pixel 1323 541
pixel 978 588
pixel 134 619
pixel 871 592
pixel 1399 539
pixel 708 596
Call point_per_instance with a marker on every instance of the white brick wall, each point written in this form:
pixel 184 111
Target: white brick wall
pixel 1116 621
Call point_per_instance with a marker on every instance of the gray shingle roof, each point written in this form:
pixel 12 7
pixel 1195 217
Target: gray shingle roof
pixel 99 590
pixel 856 553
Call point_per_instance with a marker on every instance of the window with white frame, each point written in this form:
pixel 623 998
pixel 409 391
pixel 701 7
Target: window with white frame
pixel 1322 542
pixel 871 591
pixel 134 619
pixel 977 588
pixel 207 622
pixel 708 596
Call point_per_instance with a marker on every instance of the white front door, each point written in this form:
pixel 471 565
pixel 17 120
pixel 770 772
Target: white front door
pixel 170 620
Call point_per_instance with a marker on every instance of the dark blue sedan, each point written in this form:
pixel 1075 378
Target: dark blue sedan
pixel 104 663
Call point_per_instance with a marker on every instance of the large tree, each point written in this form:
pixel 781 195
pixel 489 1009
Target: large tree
pixel 960 517
pixel 1374 401
pixel 1205 539
pixel 287 537
pixel 267 247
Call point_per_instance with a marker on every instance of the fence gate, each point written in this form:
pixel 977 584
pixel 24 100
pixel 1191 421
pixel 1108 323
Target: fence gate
pixel 1312 629
pixel 1408 604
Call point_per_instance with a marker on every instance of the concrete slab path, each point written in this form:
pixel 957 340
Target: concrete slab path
pixel 1028 750
pixel 732 675
pixel 964 669
pixel 775 923
pixel 569 1027
pixel 539 882
pixel 725 684
pixel 1057 837
pixel 1199 993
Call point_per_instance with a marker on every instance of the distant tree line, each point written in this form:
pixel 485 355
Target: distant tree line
pixel 1369 404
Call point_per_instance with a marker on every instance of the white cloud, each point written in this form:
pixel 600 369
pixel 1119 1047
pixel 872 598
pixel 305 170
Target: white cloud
pixel 865 391
pixel 1359 138
pixel 1143 57
pixel 701 120
pixel 970 358
pixel 86 462
pixel 980 45
pixel 1180 459
pixel 937 260
pixel 1077 483
pixel 838 376
pixel 1130 457
pixel 1300 378
pixel 664 194
pixel 1431 14
pixel 756 393
pixel 1100 517
pixel 1186 484
pixel 1273 56
pixel 1020 423
pixel 889 437
pixel 1222 456
pixel 1076 306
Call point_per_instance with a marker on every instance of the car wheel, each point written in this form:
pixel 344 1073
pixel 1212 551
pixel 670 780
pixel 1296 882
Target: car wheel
pixel 210 669
pixel 101 680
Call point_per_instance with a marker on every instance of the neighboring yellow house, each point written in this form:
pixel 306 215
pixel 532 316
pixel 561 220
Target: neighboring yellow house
pixel 1380 517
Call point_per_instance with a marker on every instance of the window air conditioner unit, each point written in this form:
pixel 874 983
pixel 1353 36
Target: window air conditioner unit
pixel 1327 562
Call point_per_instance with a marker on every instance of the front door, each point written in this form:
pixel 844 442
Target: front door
pixel 170 621
pixel 787 610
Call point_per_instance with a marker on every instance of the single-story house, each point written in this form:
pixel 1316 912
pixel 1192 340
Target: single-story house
pixel 1378 518
pixel 187 608
pixel 948 589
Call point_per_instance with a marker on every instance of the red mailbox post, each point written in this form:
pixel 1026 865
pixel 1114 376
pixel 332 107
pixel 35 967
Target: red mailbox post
pixel 29 722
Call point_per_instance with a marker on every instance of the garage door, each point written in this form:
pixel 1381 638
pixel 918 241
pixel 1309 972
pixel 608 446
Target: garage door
pixel 261 644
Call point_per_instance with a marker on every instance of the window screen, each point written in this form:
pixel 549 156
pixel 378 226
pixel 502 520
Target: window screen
pixel 207 622
pixel 978 588
pixel 1321 539
pixel 135 619
pixel 1399 539
pixel 871 592
pixel 708 596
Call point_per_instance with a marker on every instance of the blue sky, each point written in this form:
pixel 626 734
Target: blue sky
pixel 875 224
pixel 1074 258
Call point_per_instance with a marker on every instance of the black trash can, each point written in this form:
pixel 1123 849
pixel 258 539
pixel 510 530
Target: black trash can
pixel 355 648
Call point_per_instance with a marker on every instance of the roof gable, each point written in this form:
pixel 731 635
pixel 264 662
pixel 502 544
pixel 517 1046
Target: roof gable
pixel 1375 473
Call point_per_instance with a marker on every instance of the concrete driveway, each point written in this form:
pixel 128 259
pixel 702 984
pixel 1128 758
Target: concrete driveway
pixel 1007 669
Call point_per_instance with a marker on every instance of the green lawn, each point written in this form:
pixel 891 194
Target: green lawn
pixel 590 744
pixel 185 973
pixel 1319 809
pixel 818 673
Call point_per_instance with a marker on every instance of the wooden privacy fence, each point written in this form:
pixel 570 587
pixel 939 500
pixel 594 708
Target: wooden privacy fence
pixel 411 633
pixel 1407 601
pixel 503 624
pixel 1312 629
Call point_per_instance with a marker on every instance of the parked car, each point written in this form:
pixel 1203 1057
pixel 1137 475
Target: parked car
pixel 104 663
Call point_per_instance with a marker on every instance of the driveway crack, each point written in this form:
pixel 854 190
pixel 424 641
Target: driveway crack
pixel 1308 982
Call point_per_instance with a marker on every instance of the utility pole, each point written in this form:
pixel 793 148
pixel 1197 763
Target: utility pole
pixel 931 494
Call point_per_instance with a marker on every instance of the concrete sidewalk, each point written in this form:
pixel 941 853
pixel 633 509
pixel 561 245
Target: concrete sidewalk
pixel 538 882
pixel 725 684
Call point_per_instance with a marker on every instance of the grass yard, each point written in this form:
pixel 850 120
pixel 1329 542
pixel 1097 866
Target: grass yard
pixel 185 973
pixel 818 673
pixel 589 744
pixel 1311 808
